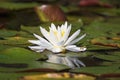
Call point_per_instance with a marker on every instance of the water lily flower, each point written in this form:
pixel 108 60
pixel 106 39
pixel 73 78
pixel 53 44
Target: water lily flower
pixel 57 39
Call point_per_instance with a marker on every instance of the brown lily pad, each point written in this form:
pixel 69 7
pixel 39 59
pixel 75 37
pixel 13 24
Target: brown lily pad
pixel 50 13
pixel 105 41
pixel 59 76
pixel 116 75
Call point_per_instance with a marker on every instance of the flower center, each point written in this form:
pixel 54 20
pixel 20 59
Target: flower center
pixel 55 32
pixel 59 49
pixel 63 32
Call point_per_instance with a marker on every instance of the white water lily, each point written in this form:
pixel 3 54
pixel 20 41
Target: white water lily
pixel 57 39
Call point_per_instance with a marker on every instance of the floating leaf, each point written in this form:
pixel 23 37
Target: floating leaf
pixel 3 47
pixel 25 34
pixel 100 48
pixel 32 66
pixel 31 30
pixel 97 70
pixel 59 76
pixel 19 54
pixel 104 41
pixel 7 33
pixel 16 6
pixel 107 57
pixel 16 41
pixel 102 29
pixel 116 53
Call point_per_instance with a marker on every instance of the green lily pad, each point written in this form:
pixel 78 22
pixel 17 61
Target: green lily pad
pixel 13 76
pixel 25 34
pixel 97 70
pixel 32 66
pixel 15 54
pixel 16 41
pixel 3 47
pixel 31 29
pixel 115 53
pixel 107 57
pixel 99 48
pixel 7 33
pixel 102 29
pixel 17 6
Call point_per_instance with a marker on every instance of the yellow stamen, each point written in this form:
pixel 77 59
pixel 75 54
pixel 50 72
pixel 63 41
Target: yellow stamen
pixel 55 32
pixel 63 32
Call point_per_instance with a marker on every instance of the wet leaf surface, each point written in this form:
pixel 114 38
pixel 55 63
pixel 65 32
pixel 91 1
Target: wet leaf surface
pixel 19 54
pixel 98 70
pixel 31 66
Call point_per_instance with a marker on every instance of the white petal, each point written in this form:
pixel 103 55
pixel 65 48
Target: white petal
pixel 45 33
pixel 45 42
pixel 72 37
pixel 83 48
pixel 78 39
pixel 37 48
pixel 62 27
pixel 65 25
pixel 53 37
pixel 60 43
pixel 56 50
pixel 42 44
pixel 35 42
pixel 70 46
pixel 74 48
pixel 67 32
pixel 59 35
pixel 53 27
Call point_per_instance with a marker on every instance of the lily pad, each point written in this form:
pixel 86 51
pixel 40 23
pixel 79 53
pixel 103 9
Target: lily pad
pixel 104 41
pixel 59 76
pixel 31 29
pixel 102 29
pixel 107 57
pixel 97 70
pixel 3 47
pixel 16 6
pixel 15 54
pixel 7 33
pixel 16 41
pixel 32 66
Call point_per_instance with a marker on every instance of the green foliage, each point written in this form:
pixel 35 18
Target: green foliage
pixel 98 70
pixel 31 66
pixel 16 6
pixel 107 57
pixel 102 29
pixel 16 41
pixel 6 33
pixel 19 54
